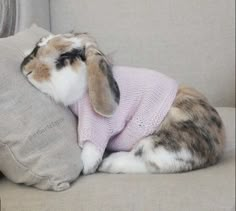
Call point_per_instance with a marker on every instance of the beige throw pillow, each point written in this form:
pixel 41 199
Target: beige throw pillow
pixel 38 138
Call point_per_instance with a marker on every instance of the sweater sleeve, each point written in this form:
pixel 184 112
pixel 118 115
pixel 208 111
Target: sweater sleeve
pixel 92 127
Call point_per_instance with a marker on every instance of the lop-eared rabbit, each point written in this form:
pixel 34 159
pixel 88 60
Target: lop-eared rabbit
pixel 149 122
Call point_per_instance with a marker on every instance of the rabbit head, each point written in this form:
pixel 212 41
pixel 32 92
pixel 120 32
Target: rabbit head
pixel 66 66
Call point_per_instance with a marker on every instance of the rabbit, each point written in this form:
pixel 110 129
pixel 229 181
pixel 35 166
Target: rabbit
pixel 182 134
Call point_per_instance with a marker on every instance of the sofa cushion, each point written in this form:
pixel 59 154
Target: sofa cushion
pixel 38 138
pixel 212 188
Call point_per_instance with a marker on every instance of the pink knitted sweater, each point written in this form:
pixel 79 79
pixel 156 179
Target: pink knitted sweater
pixel 145 98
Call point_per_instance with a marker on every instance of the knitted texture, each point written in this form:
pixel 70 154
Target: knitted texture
pixel 146 97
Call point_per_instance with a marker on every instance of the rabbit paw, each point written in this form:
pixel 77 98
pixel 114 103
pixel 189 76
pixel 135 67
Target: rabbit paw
pixel 91 158
pixel 115 163
pixel 123 162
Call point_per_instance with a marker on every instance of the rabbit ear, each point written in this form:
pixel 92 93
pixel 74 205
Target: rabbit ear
pixel 103 90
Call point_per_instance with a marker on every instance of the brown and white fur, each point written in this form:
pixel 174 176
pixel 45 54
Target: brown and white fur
pixel 191 136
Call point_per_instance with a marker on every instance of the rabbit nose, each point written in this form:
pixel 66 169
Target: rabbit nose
pixel 23 70
pixel 26 72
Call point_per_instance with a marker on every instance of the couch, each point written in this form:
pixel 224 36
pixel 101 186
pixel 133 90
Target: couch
pixel 192 41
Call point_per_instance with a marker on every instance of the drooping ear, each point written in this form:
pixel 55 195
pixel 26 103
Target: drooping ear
pixel 103 90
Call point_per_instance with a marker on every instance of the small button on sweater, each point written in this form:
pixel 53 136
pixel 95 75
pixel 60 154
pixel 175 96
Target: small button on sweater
pixel 145 98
